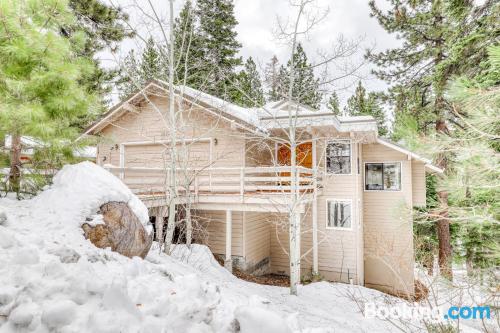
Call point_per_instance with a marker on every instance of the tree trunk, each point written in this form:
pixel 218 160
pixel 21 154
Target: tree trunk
pixel 170 227
pixel 429 263
pixel 173 137
pixel 469 264
pixel 189 226
pixel 15 163
pixel 159 225
pixel 443 222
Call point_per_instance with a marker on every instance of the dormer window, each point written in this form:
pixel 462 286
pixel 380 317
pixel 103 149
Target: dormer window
pixel 338 157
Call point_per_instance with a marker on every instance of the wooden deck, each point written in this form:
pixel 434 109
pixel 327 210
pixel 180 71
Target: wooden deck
pixel 219 184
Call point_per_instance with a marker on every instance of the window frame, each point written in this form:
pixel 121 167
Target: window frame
pixel 350 202
pixel 349 141
pixel 384 162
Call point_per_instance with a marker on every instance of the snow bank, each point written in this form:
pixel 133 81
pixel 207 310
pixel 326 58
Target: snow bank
pixel 3 216
pixel 199 257
pixel 79 190
pixel 54 280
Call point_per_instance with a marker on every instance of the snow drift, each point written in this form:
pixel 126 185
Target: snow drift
pixel 79 190
pixel 54 280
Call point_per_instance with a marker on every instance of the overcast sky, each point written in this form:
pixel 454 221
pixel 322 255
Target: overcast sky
pixel 257 23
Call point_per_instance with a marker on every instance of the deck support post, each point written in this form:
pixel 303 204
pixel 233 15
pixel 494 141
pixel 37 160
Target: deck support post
pixel 315 270
pixel 295 252
pixel 315 209
pixel 228 262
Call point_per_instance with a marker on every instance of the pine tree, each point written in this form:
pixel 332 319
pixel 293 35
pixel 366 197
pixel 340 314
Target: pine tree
pixel 135 73
pixel 271 79
pixel 104 27
pixel 306 85
pixel 220 47
pixel 40 90
pixel 129 74
pixel 152 64
pixel 440 39
pixel 333 104
pixel 250 84
pixel 363 104
pixel 188 49
pixel 425 28
pixel 473 199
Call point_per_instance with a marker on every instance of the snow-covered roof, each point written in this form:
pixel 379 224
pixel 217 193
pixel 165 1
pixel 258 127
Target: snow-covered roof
pixel 273 115
pixel 26 141
pixel 245 114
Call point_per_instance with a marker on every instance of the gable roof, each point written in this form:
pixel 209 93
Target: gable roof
pixel 272 115
pixel 212 104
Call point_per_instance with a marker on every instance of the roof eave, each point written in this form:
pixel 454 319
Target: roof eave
pixel 100 124
pixel 428 163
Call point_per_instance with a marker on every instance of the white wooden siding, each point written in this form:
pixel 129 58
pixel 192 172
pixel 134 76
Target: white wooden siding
pixel 388 234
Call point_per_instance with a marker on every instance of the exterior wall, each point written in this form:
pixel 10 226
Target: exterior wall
pixel 257 242
pixel 339 248
pixel 388 234
pixel 280 245
pixel 213 233
pixel 258 153
pixel 418 183
pixel 226 150
pixel 339 251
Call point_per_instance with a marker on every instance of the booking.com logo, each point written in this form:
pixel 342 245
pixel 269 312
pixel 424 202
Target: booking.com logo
pixel 418 312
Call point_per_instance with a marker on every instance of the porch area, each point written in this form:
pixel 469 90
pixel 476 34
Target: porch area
pixel 242 213
pixel 267 187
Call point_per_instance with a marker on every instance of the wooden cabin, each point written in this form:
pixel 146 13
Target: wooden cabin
pixel 233 173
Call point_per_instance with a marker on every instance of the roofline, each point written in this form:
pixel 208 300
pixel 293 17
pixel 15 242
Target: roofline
pixel 428 163
pixel 321 114
pixel 114 109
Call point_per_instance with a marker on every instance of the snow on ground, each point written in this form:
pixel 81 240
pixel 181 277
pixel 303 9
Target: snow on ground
pixel 53 279
pixel 79 190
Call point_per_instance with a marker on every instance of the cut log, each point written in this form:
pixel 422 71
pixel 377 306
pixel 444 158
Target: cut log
pixel 122 231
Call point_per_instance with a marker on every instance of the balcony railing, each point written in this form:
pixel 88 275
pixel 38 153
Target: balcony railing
pixel 218 180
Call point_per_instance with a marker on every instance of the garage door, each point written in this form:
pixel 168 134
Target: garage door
pixel 192 155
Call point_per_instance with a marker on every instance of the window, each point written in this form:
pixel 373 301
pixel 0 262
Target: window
pixel 338 157
pixel 339 214
pixel 383 176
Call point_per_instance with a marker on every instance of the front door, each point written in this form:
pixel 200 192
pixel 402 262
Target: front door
pixel 304 155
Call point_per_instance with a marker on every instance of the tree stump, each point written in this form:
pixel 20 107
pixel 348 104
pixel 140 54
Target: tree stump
pixel 122 231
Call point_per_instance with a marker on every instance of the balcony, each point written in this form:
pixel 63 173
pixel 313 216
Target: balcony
pixel 219 184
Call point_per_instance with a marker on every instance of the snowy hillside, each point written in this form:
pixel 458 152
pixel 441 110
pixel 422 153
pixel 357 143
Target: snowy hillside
pixel 53 279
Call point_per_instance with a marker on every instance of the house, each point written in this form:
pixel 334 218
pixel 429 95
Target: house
pixel 356 189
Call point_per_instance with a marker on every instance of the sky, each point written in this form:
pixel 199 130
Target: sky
pixel 258 24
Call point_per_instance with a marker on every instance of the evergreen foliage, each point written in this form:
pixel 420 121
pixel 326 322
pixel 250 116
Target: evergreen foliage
pixel 104 27
pixel 189 65
pixel 305 85
pixel 472 182
pixel 136 72
pixel 361 103
pixel 250 86
pixel 217 36
pixel 40 91
pixel 440 39
pixel 271 80
pixel 333 104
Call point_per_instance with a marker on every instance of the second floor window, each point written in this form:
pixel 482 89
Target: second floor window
pixel 383 176
pixel 338 157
